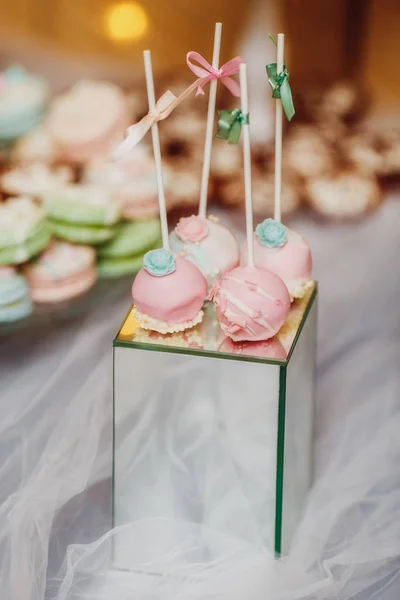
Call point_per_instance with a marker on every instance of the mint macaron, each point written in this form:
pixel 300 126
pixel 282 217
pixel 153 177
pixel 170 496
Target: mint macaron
pixel 82 234
pixel 132 238
pixel 31 246
pixel 78 204
pixel 120 266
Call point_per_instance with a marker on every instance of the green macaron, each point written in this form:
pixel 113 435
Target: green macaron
pixel 78 204
pixel 132 238
pixel 81 234
pixel 118 266
pixel 32 245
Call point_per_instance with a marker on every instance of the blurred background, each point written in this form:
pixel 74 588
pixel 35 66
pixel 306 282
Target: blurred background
pixel 326 40
pixel 72 81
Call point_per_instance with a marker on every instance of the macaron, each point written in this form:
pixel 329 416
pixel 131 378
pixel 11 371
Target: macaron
pixel 78 204
pixel 124 254
pixel 61 272
pixel 88 121
pixel 132 181
pixel 132 238
pixel 24 231
pixel 35 179
pixel 82 234
pixel 22 100
pixel 34 147
pixel 15 303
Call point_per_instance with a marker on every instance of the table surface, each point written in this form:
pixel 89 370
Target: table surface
pixel 56 405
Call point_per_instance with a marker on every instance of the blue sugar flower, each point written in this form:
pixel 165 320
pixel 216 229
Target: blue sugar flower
pixel 159 262
pixel 271 233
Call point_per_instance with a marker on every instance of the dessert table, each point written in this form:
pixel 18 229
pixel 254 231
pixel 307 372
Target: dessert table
pixel 56 448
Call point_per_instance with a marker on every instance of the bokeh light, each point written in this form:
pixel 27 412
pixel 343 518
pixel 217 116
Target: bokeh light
pixel 126 22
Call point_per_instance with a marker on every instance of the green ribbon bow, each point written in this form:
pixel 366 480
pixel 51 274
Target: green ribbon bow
pixel 279 83
pixel 230 124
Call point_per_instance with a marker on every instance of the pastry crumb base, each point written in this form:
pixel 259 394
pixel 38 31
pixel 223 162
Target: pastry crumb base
pixel 298 290
pixel 151 324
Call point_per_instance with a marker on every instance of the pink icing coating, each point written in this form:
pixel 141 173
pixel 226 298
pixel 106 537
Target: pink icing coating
pixel 192 229
pixel 174 298
pixel 251 303
pixel 292 261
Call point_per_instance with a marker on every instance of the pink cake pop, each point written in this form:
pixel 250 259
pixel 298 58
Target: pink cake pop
pixel 285 253
pixel 168 293
pixel 277 248
pixel 251 303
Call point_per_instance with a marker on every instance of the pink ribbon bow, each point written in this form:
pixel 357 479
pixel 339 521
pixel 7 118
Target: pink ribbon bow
pixel 207 73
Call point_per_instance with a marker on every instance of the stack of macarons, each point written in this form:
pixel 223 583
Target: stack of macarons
pixel 82 214
pixel 15 303
pixel 24 231
pixel 123 255
pixel 22 100
pixel 61 272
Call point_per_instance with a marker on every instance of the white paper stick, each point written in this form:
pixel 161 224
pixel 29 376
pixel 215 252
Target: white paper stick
pixel 278 132
pixel 247 165
pixel 156 149
pixel 210 124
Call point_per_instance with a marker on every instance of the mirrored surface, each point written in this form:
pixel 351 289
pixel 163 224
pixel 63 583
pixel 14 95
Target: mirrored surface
pixel 208 339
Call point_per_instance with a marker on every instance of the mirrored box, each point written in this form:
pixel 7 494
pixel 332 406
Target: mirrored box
pixel 212 432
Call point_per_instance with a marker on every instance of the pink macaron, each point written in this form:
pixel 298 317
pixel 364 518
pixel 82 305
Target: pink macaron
pixel 61 272
pixel 88 121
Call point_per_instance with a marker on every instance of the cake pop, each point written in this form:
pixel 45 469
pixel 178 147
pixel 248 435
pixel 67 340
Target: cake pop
pixel 168 291
pixel 212 247
pixel 251 302
pixel 285 253
pixel 276 247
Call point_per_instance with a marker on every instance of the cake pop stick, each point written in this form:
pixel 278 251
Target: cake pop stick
pixel 210 123
pixel 156 148
pixel 247 164
pixel 276 247
pixel 251 303
pixel 278 133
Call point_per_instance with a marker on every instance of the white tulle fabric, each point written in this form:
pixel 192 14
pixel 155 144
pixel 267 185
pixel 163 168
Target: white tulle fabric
pixel 55 458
